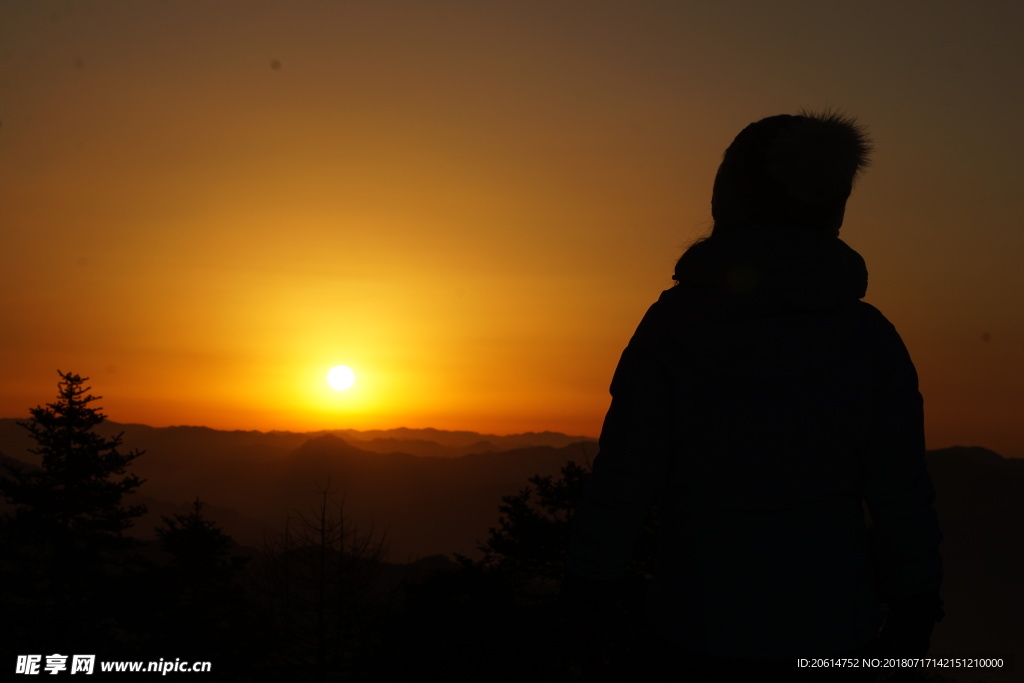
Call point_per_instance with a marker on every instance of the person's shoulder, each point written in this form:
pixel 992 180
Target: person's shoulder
pixel 680 298
pixel 682 305
pixel 661 323
pixel 666 305
pixel 878 334
pixel 870 315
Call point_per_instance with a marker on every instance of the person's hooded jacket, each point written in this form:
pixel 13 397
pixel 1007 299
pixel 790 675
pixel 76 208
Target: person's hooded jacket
pixel 772 416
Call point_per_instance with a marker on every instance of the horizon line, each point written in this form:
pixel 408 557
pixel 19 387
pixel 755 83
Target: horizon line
pixel 333 429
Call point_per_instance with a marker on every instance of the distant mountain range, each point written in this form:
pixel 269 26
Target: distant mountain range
pixel 433 491
pixel 429 490
pixel 430 442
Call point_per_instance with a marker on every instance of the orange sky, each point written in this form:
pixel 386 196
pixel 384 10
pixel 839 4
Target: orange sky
pixel 207 205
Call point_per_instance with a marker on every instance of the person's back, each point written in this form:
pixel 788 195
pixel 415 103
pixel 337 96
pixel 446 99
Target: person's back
pixel 764 405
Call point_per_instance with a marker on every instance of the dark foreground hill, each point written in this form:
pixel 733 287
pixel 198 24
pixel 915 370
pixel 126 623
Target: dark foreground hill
pixel 251 482
pixel 980 501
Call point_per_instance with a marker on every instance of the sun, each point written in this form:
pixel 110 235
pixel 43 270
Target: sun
pixel 341 377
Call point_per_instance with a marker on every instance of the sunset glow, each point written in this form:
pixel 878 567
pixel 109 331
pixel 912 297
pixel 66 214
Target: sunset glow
pixel 208 205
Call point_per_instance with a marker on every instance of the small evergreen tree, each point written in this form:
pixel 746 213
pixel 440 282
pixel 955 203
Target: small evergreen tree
pixel 198 548
pixel 200 606
pixel 532 536
pixel 527 553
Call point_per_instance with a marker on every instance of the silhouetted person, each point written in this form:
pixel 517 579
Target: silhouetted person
pixel 775 419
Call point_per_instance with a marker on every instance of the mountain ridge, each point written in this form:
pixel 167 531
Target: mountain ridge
pixel 438 505
pixel 15 440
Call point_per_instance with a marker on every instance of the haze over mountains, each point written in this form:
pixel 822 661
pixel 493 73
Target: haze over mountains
pixel 437 492
pixel 430 491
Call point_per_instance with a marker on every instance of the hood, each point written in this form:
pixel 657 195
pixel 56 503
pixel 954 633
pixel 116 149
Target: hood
pixel 776 267
pixel 766 302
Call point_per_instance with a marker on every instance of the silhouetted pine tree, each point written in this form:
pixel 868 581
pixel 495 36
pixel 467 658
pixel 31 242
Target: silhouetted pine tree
pixel 532 537
pixel 529 635
pixel 500 618
pixel 63 543
pixel 201 607
pixel 198 547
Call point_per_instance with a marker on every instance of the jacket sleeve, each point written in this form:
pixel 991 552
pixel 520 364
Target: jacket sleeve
pixel 897 488
pixel 632 459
